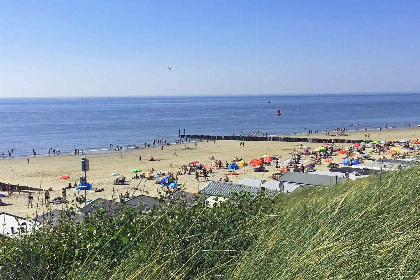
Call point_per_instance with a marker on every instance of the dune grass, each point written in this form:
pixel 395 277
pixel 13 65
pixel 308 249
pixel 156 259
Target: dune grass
pixel 368 229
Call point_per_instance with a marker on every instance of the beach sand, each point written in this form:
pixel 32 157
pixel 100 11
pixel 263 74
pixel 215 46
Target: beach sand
pixel 44 172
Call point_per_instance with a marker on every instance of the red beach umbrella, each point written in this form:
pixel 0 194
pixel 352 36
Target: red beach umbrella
pixel 256 162
pixel 64 177
pixel 149 156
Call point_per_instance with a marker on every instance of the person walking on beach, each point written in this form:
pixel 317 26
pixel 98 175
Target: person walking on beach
pixel 27 160
pixel 30 199
pixel 64 193
pixel 47 197
pixel 140 158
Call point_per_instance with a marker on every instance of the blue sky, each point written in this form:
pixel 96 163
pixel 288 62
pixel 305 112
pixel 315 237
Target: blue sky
pixel 121 48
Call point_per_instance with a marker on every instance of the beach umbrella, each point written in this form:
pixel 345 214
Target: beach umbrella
pixel 84 186
pixel 328 160
pixel 288 162
pixel 135 170
pixel 311 165
pixel 409 148
pixel 256 162
pixel 242 163
pixel 2 195
pixel 321 148
pixel 355 162
pixel 403 141
pixel 266 155
pixel 416 142
pixel 149 156
pixel 64 177
pixel 233 165
pixel 268 159
pixel 341 152
pixel 164 181
pixel 173 185
pixel 346 161
pixel 207 166
pixel 394 149
pixel 356 144
pixel 194 162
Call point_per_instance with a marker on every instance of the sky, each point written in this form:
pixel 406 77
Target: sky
pixel 124 48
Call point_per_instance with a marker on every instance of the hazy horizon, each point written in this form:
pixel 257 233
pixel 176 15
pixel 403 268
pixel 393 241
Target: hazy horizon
pixel 93 49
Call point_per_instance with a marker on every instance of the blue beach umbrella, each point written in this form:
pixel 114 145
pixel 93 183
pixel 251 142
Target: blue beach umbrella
pixel 346 161
pixel 173 185
pixel 234 166
pixel 84 186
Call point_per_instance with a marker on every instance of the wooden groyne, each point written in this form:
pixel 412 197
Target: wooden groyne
pixel 15 188
pixel 267 138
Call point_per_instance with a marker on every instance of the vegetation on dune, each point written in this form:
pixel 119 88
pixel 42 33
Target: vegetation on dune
pixel 368 229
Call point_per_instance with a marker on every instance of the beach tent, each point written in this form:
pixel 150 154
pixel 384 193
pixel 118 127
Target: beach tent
pixel 84 186
pixel 346 161
pixel 234 166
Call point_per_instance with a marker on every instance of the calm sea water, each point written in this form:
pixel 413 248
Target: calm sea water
pixel 92 124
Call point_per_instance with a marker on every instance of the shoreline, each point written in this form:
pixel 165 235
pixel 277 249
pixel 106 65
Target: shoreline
pixel 128 148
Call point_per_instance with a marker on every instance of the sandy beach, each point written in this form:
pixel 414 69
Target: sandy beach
pixel 44 172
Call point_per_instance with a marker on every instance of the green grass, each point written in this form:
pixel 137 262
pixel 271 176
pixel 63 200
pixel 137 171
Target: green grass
pixel 368 229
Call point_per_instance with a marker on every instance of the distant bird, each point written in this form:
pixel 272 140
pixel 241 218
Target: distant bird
pixel 170 68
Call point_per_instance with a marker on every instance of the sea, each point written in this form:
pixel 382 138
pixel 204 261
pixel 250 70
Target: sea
pixel 93 124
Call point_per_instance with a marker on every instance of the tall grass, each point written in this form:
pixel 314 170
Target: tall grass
pixel 368 229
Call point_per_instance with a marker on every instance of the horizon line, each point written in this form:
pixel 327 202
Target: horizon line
pixel 210 95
